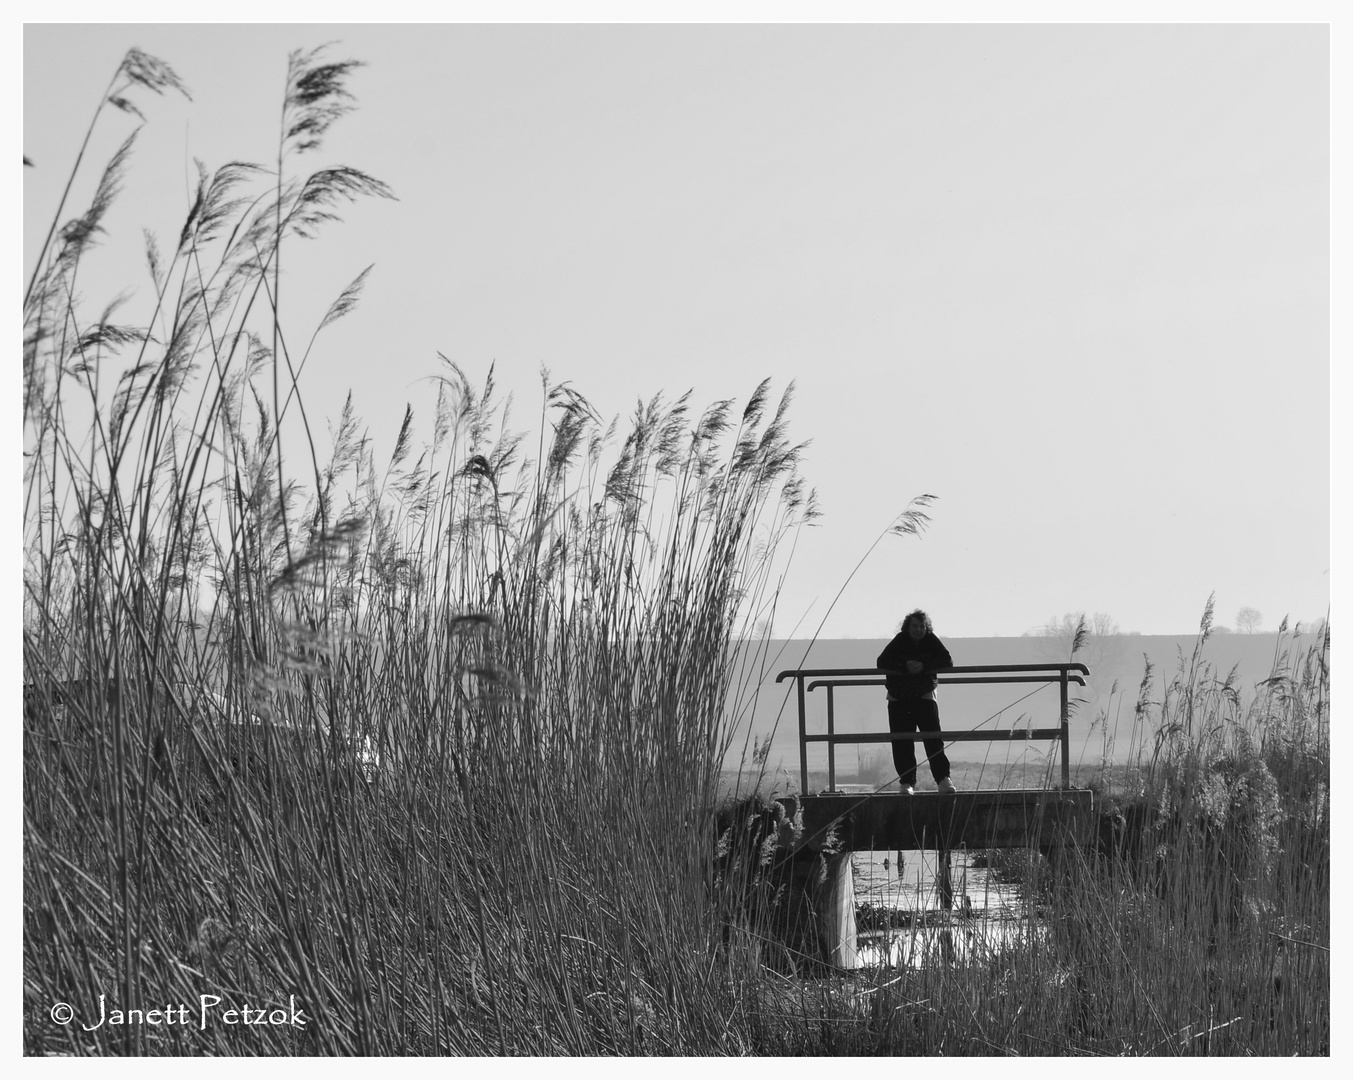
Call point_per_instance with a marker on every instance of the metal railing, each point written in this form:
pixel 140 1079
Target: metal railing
pixel 831 678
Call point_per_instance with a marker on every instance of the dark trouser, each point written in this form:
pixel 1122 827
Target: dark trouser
pixel 916 714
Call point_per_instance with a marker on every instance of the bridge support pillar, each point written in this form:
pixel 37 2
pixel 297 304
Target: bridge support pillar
pixel 836 917
pixel 944 881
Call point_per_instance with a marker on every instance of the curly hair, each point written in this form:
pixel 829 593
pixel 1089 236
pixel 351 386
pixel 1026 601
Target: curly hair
pixel 918 614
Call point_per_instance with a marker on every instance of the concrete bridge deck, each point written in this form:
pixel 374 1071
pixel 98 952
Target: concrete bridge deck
pixel 929 820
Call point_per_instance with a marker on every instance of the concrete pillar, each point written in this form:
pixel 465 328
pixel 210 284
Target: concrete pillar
pixel 836 913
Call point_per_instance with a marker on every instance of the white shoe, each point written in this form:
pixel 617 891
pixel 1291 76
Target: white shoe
pixel 907 789
pixel 946 786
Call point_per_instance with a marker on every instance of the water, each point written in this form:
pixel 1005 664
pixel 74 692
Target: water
pixel 987 915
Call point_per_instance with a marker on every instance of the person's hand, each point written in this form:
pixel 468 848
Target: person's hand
pixel 915 666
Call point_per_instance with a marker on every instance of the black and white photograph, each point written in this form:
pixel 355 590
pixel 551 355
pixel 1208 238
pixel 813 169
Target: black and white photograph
pixel 672 531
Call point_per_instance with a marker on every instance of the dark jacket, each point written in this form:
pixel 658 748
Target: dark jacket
pixel 893 660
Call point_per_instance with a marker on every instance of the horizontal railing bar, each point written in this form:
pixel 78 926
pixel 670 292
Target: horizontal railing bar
pixel 1005 735
pixel 957 669
pixel 947 681
pixel 944 677
pixel 808 672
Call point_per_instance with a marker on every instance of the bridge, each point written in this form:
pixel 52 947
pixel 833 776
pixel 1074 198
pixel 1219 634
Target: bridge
pixel 832 823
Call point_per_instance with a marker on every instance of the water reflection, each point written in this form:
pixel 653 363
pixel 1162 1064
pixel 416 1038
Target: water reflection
pixel 903 923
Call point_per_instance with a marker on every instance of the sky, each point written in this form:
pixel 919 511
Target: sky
pixel 1073 280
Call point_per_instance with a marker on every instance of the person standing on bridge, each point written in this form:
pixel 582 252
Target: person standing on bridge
pixel 909 663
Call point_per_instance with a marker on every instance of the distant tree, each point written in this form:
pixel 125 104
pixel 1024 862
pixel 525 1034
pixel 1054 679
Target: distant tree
pixel 1103 626
pixel 1078 636
pixel 1098 625
pixel 1249 619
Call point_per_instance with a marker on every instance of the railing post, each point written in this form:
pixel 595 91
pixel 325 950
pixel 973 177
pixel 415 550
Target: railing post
pixel 831 737
pixel 1066 735
pixel 803 740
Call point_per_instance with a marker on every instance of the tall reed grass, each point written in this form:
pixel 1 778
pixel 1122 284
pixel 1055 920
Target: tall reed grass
pixel 428 743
